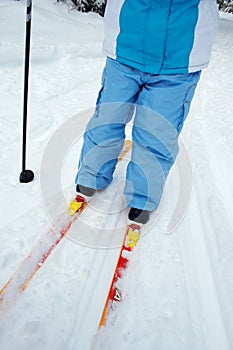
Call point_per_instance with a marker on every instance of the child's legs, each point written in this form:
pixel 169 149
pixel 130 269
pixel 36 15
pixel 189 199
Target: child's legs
pixel 162 107
pixel 105 133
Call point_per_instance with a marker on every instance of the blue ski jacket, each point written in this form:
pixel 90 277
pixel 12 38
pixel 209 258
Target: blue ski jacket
pixel 161 36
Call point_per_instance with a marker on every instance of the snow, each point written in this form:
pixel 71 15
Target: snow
pixel 179 285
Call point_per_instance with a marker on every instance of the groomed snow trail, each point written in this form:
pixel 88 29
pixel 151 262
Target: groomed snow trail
pixel 180 286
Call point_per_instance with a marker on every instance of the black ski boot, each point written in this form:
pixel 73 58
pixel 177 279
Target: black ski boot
pixel 139 216
pixel 86 191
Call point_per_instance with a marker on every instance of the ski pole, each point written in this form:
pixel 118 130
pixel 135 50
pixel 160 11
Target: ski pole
pixel 26 175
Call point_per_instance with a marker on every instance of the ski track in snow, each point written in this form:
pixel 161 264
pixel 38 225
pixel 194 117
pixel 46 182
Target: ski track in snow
pixel 179 286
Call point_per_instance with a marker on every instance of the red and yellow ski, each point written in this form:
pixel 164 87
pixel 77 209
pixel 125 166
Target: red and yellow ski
pixel 114 296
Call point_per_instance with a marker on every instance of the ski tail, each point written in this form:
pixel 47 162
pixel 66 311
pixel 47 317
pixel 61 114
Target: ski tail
pixel 45 246
pixel 35 260
pixel 131 237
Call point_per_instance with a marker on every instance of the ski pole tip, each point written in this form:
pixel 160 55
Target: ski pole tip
pixel 26 176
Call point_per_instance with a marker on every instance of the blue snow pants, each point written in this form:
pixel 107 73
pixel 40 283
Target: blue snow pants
pixel 159 105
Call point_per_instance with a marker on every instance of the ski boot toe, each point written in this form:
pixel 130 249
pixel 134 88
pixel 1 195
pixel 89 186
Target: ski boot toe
pixel 85 191
pixel 139 216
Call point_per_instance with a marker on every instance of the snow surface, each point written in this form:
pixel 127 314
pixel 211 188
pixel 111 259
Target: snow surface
pixel 180 285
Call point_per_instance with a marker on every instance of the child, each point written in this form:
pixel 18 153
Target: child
pixel 155 52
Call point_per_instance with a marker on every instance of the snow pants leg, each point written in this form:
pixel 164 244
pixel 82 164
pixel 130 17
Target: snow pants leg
pixel 161 104
pixel 105 132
